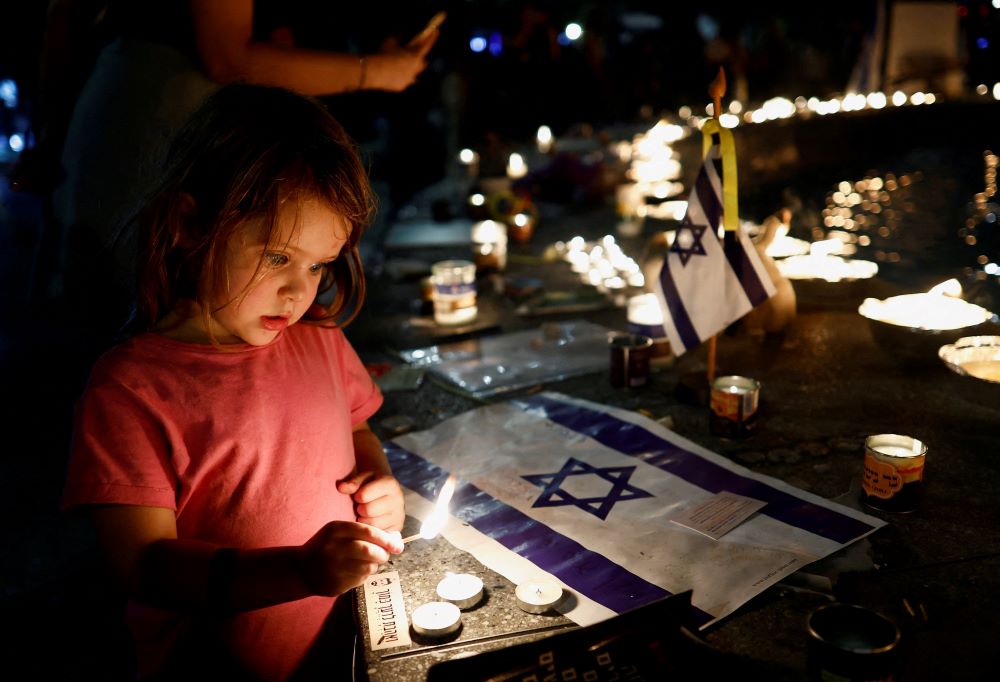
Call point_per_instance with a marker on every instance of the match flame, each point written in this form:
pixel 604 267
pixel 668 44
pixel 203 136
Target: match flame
pixel 435 522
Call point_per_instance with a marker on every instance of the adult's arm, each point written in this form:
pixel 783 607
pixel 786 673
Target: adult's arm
pixel 224 35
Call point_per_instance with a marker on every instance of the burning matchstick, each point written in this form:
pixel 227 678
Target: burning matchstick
pixel 439 516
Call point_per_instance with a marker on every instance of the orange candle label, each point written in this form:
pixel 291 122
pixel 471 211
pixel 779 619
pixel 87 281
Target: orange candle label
pixel 883 480
pixel 727 405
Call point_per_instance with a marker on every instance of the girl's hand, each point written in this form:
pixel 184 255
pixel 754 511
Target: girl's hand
pixel 342 554
pixel 378 499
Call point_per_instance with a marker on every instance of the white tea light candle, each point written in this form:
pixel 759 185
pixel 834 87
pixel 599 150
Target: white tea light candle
pixel 461 589
pixel 538 596
pixel 436 619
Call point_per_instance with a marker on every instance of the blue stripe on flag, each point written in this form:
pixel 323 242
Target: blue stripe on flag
pixel 591 574
pixel 633 440
pixel 708 200
pixel 678 314
pixel 739 261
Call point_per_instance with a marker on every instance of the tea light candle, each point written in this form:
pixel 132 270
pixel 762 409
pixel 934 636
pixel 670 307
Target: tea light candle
pixel 538 596
pixel 644 316
pixel 461 589
pixel 516 167
pixel 544 139
pixel 436 619
pixel 489 245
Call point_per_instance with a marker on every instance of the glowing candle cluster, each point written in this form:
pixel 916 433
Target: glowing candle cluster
pixel 654 170
pixel 602 264
pixel 778 108
pixel 819 263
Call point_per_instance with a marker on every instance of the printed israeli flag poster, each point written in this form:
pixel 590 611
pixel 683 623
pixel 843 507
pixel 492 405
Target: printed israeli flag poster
pixel 566 490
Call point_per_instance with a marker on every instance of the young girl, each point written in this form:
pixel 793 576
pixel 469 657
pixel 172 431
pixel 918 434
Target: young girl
pixel 223 452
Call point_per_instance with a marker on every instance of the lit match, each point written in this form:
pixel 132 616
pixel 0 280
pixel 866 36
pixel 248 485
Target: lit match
pixel 439 516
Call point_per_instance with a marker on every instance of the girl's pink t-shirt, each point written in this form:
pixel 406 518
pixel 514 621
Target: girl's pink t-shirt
pixel 246 445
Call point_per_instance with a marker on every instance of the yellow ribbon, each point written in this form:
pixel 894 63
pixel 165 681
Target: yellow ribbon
pixel 727 149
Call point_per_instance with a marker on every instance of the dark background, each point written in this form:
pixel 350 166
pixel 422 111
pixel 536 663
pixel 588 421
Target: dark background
pixel 635 61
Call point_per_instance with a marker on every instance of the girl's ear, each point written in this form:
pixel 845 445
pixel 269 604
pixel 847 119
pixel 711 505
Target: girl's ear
pixel 186 215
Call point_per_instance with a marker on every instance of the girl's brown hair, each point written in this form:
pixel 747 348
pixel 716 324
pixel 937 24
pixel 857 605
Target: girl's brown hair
pixel 246 152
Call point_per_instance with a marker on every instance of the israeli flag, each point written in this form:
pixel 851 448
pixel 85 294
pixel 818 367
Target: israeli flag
pixel 708 282
pixel 565 490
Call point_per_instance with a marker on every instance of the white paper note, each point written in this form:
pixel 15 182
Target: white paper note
pixel 386 612
pixel 719 514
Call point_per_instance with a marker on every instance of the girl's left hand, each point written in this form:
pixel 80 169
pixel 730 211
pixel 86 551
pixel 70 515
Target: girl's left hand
pixel 378 499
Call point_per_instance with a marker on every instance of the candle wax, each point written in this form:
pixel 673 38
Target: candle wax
pixel 896 450
pixel 983 369
pixel 436 619
pixel 461 589
pixel 538 597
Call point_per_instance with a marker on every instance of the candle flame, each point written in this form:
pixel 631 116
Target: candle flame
pixel 439 516
pixel 949 287
pixel 825 247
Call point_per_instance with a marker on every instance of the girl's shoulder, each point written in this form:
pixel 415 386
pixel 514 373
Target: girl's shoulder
pixel 137 354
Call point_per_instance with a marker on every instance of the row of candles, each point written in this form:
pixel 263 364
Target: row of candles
pixel 605 265
pixel 459 592
pixel 654 171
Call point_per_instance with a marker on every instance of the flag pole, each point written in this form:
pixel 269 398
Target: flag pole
pixel 716 89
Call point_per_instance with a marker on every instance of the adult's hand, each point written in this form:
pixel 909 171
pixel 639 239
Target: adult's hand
pixel 396 67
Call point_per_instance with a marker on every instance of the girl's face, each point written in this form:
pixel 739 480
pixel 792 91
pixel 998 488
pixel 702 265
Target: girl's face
pixel 271 287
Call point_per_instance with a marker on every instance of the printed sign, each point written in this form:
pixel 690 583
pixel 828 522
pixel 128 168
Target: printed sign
pixel 386 612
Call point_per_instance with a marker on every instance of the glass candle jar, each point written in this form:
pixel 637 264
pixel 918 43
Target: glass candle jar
pixel 454 283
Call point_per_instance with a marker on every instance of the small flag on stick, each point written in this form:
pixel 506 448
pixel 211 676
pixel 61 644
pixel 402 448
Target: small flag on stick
pixel 711 276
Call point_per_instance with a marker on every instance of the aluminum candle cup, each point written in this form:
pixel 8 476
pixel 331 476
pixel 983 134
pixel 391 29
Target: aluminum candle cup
pixel 974 356
pixel 454 283
pixel 461 589
pixel 630 360
pixel 848 642
pixel 893 476
pixel 436 619
pixel 734 403
pixel 538 597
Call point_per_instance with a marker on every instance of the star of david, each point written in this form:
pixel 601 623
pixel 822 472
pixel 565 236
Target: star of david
pixel 553 496
pixel 695 247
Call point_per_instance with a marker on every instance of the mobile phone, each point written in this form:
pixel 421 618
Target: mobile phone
pixel 432 25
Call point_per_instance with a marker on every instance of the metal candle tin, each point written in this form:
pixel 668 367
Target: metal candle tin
pixel 629 360
pixel 734 403
pixel 851 643
pixel 893 476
